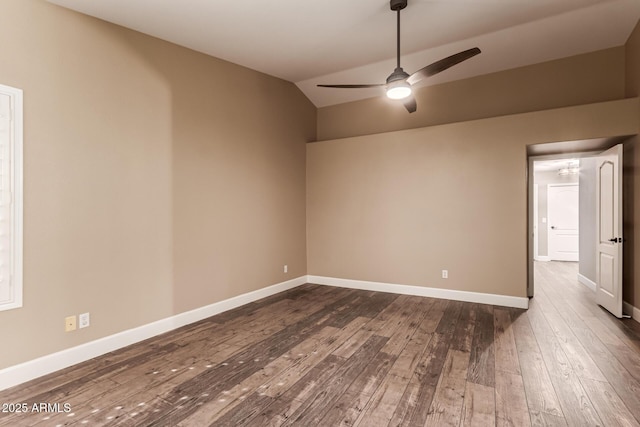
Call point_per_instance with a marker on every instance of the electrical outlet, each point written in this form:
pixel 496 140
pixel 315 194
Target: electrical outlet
pixel 445 274
pixel 84 320
pixel 286 268
pixel 70 323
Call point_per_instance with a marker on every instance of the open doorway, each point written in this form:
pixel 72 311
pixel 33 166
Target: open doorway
pixel 563 178
pixel 559 207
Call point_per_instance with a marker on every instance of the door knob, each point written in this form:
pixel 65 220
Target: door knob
pixel 553 227
pixel 615 240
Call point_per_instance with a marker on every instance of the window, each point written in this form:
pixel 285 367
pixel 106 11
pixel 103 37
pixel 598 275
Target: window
pixel 10 198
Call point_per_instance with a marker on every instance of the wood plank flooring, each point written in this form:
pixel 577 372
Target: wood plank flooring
pixel 325 356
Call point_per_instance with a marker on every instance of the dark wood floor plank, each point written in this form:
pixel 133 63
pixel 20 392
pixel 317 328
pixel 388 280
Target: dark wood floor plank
pixel 411 320
pixel 506 353
pixel 279 384
pixel 403 414
pixel 367 304
pixel 435 315
pixel 382 405
pixel 413 409
pixel 228 399
pixel 347 407
pixel 107 364
pixel 242 365
pixel 352 345
pixel 479 409
pixel 511 402
pixel 253 405
pixel 79 389
pixel 541 396
pixel 447 403
pixel 284 406
pixel 449 320
pixel 261 327
pixel 313 409
pixel 397 321
pixel 463 334
pixel 387 321
pixel 318 355
pixel 482 361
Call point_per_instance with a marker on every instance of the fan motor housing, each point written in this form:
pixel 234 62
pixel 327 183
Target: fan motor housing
pixel 398 74
pixel 398 4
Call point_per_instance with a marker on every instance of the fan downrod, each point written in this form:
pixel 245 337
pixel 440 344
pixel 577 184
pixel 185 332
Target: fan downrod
pixel 398 4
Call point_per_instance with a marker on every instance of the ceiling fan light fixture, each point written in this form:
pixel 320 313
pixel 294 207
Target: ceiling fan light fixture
pixel 398 85
pixel 398 90
pixel 572 168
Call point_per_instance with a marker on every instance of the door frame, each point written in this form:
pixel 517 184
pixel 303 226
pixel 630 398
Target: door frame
pixel 530 202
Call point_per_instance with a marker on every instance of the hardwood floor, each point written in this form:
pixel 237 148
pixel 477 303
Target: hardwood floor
pixel 327 356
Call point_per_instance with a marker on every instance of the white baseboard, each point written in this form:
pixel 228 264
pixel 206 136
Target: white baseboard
pixel 503 300
pixel 32 369
pixel 587 282
pixel 542 258
pixel 631 310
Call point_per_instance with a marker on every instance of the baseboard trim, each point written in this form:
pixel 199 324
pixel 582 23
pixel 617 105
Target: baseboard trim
pixel 36 368
pixel 587 282
pixel 502 300
pixel 542 258
pixel 631 310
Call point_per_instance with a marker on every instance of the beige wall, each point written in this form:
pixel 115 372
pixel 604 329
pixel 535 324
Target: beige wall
pixel 399 207
pixel 582 79
pixel 631 249
pixel 151 187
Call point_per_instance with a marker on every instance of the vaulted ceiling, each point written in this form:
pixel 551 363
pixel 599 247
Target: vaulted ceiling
pixel 353 41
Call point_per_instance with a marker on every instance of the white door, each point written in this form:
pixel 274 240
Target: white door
pixel 563 217
pixel 609 230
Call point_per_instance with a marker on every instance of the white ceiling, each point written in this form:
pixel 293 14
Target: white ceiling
pixel 353 41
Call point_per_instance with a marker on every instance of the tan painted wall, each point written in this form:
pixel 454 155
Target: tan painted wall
pixel 151 186
pixel 632 55
pixel 631 249
pixel 582 79
pixel 399 207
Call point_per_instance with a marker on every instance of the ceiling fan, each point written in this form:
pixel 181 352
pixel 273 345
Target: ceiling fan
pixel 398 84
